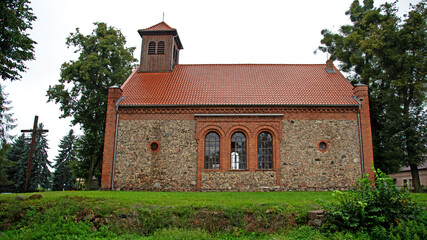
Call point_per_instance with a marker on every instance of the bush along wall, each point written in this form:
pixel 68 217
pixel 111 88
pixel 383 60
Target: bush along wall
pixel 378 207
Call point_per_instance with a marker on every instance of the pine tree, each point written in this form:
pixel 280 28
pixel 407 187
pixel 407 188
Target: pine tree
pixel 40 173
pixel 6 124
pixel 62 177
pixel 18 154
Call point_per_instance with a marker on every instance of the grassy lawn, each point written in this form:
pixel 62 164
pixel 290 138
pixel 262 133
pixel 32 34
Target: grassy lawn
pixel 166 215
pixel 199 199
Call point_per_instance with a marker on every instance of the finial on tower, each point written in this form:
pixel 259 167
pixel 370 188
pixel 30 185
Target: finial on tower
pixel 163 19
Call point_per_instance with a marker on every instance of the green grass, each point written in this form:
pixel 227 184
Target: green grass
pixel 199 199
pixel 165 215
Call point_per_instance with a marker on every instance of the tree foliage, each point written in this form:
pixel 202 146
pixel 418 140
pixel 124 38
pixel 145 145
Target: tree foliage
pixel 6 124
pixel 370 205
pixel 40 173
pixel 82 91
pixel 388 54
pixel 63 177
pixel 18 154
pixel 16 46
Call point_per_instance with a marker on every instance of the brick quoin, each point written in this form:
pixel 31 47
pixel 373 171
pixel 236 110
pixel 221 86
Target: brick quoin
pixel 361 92
pixel 114 93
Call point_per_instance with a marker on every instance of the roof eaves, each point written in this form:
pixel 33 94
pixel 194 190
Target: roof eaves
pixel 130 77
pixel 238 105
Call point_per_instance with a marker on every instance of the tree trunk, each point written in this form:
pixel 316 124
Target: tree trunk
pixel 415 178
pixel 88 185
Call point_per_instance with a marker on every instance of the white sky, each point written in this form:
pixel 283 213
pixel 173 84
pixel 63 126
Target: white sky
pixel 231 31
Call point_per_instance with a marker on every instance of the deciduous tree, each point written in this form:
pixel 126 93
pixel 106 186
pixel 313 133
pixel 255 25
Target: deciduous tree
pixel 389 56
pixel 82 91
pixel 16 46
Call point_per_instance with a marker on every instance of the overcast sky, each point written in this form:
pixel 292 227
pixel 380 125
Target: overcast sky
pixel 231 31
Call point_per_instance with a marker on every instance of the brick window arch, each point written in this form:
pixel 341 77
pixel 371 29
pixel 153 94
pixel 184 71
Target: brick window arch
pixel 212 150
pixel 265 150
pixel 238 151
pixel 161 47
pixel 152 48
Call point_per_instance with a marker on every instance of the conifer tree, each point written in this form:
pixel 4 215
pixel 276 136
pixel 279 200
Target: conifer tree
pixel 62 177
pixel 18 154
pixel 40 173
pixel 6 124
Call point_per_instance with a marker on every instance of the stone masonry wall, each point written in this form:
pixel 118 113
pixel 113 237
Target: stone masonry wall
pixel 172 168
pixel 305 167
pixel 302 165
pixel 239 180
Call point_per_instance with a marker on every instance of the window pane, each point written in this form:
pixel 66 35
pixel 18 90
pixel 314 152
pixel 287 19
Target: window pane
pixel 212 143
pixel 238 151
pixel 265 151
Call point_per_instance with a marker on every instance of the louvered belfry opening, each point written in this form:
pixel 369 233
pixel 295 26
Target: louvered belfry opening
pixel 152 48
pixel 161 47
pixel 159 43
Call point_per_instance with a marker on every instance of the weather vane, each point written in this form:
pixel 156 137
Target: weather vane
pixel 163 17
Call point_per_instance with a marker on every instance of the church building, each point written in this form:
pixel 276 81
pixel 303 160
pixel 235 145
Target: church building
pixel 233 127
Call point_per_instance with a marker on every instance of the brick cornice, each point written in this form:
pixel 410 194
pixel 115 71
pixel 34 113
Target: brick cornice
pixel 236 110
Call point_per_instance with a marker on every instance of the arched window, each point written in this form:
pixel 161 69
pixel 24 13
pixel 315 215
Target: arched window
pixel 212 150
pixel 238 151
pixel 161 47
pixel 265 151
pixel 152 48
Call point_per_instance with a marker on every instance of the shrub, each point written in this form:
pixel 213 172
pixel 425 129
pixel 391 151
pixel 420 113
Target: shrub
pixel 370 204
pixel 410 230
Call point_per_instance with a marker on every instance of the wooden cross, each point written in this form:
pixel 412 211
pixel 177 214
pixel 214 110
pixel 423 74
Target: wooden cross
pixel 33 142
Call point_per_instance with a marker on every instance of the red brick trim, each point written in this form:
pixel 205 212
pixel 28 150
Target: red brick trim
pixel 361 92
pixel 326 148
pixel 226 126
pixel 114 93
pixel 234 109
pixel 150 146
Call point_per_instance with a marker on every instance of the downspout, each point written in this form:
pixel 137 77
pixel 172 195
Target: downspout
pixel 115 141
pixel 360 135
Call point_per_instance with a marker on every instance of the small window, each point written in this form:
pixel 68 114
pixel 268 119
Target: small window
pixel 161 47
pixel 322 146
pixel 238 151
pixel 152 48
pixel 212 150
pixel 154 146
pixel 265 151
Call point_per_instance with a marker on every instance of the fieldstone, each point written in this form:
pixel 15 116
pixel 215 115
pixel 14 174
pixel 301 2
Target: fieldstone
pixel 35 196
pixel 20 198
pixel 157 185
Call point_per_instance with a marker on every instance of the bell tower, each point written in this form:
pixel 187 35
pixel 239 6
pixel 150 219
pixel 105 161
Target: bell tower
pixel 160 48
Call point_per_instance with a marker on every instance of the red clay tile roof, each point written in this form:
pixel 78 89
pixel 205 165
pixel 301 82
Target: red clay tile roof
pixel 159 27
pixel 239 84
